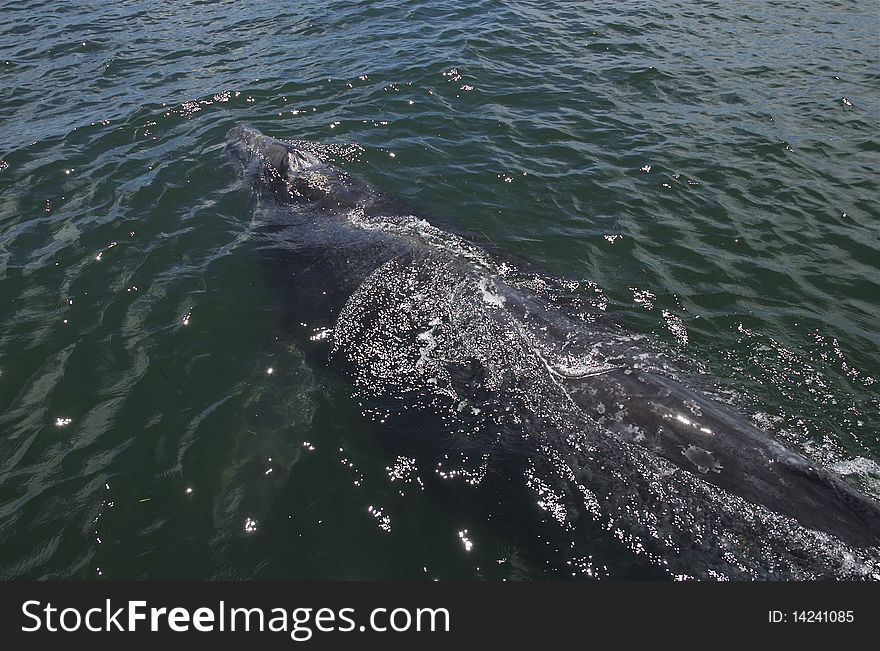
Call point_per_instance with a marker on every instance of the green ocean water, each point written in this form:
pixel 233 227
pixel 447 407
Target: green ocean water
pixel 711 167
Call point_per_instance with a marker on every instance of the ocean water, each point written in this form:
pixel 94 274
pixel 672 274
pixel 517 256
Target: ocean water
pixel 711 167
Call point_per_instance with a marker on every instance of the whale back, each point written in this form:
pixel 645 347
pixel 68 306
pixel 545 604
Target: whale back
pixel 460 354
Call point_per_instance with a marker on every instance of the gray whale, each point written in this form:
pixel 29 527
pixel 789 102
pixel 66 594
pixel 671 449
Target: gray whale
pixel 516 372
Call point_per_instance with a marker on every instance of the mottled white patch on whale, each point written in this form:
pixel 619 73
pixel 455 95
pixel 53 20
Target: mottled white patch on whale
pixel 489 293
pixel 702 459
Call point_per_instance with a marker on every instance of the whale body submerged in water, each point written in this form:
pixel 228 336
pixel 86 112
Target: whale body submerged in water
pixel 459 349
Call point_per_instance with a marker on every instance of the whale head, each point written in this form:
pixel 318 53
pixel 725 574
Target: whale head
pixel 290 172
